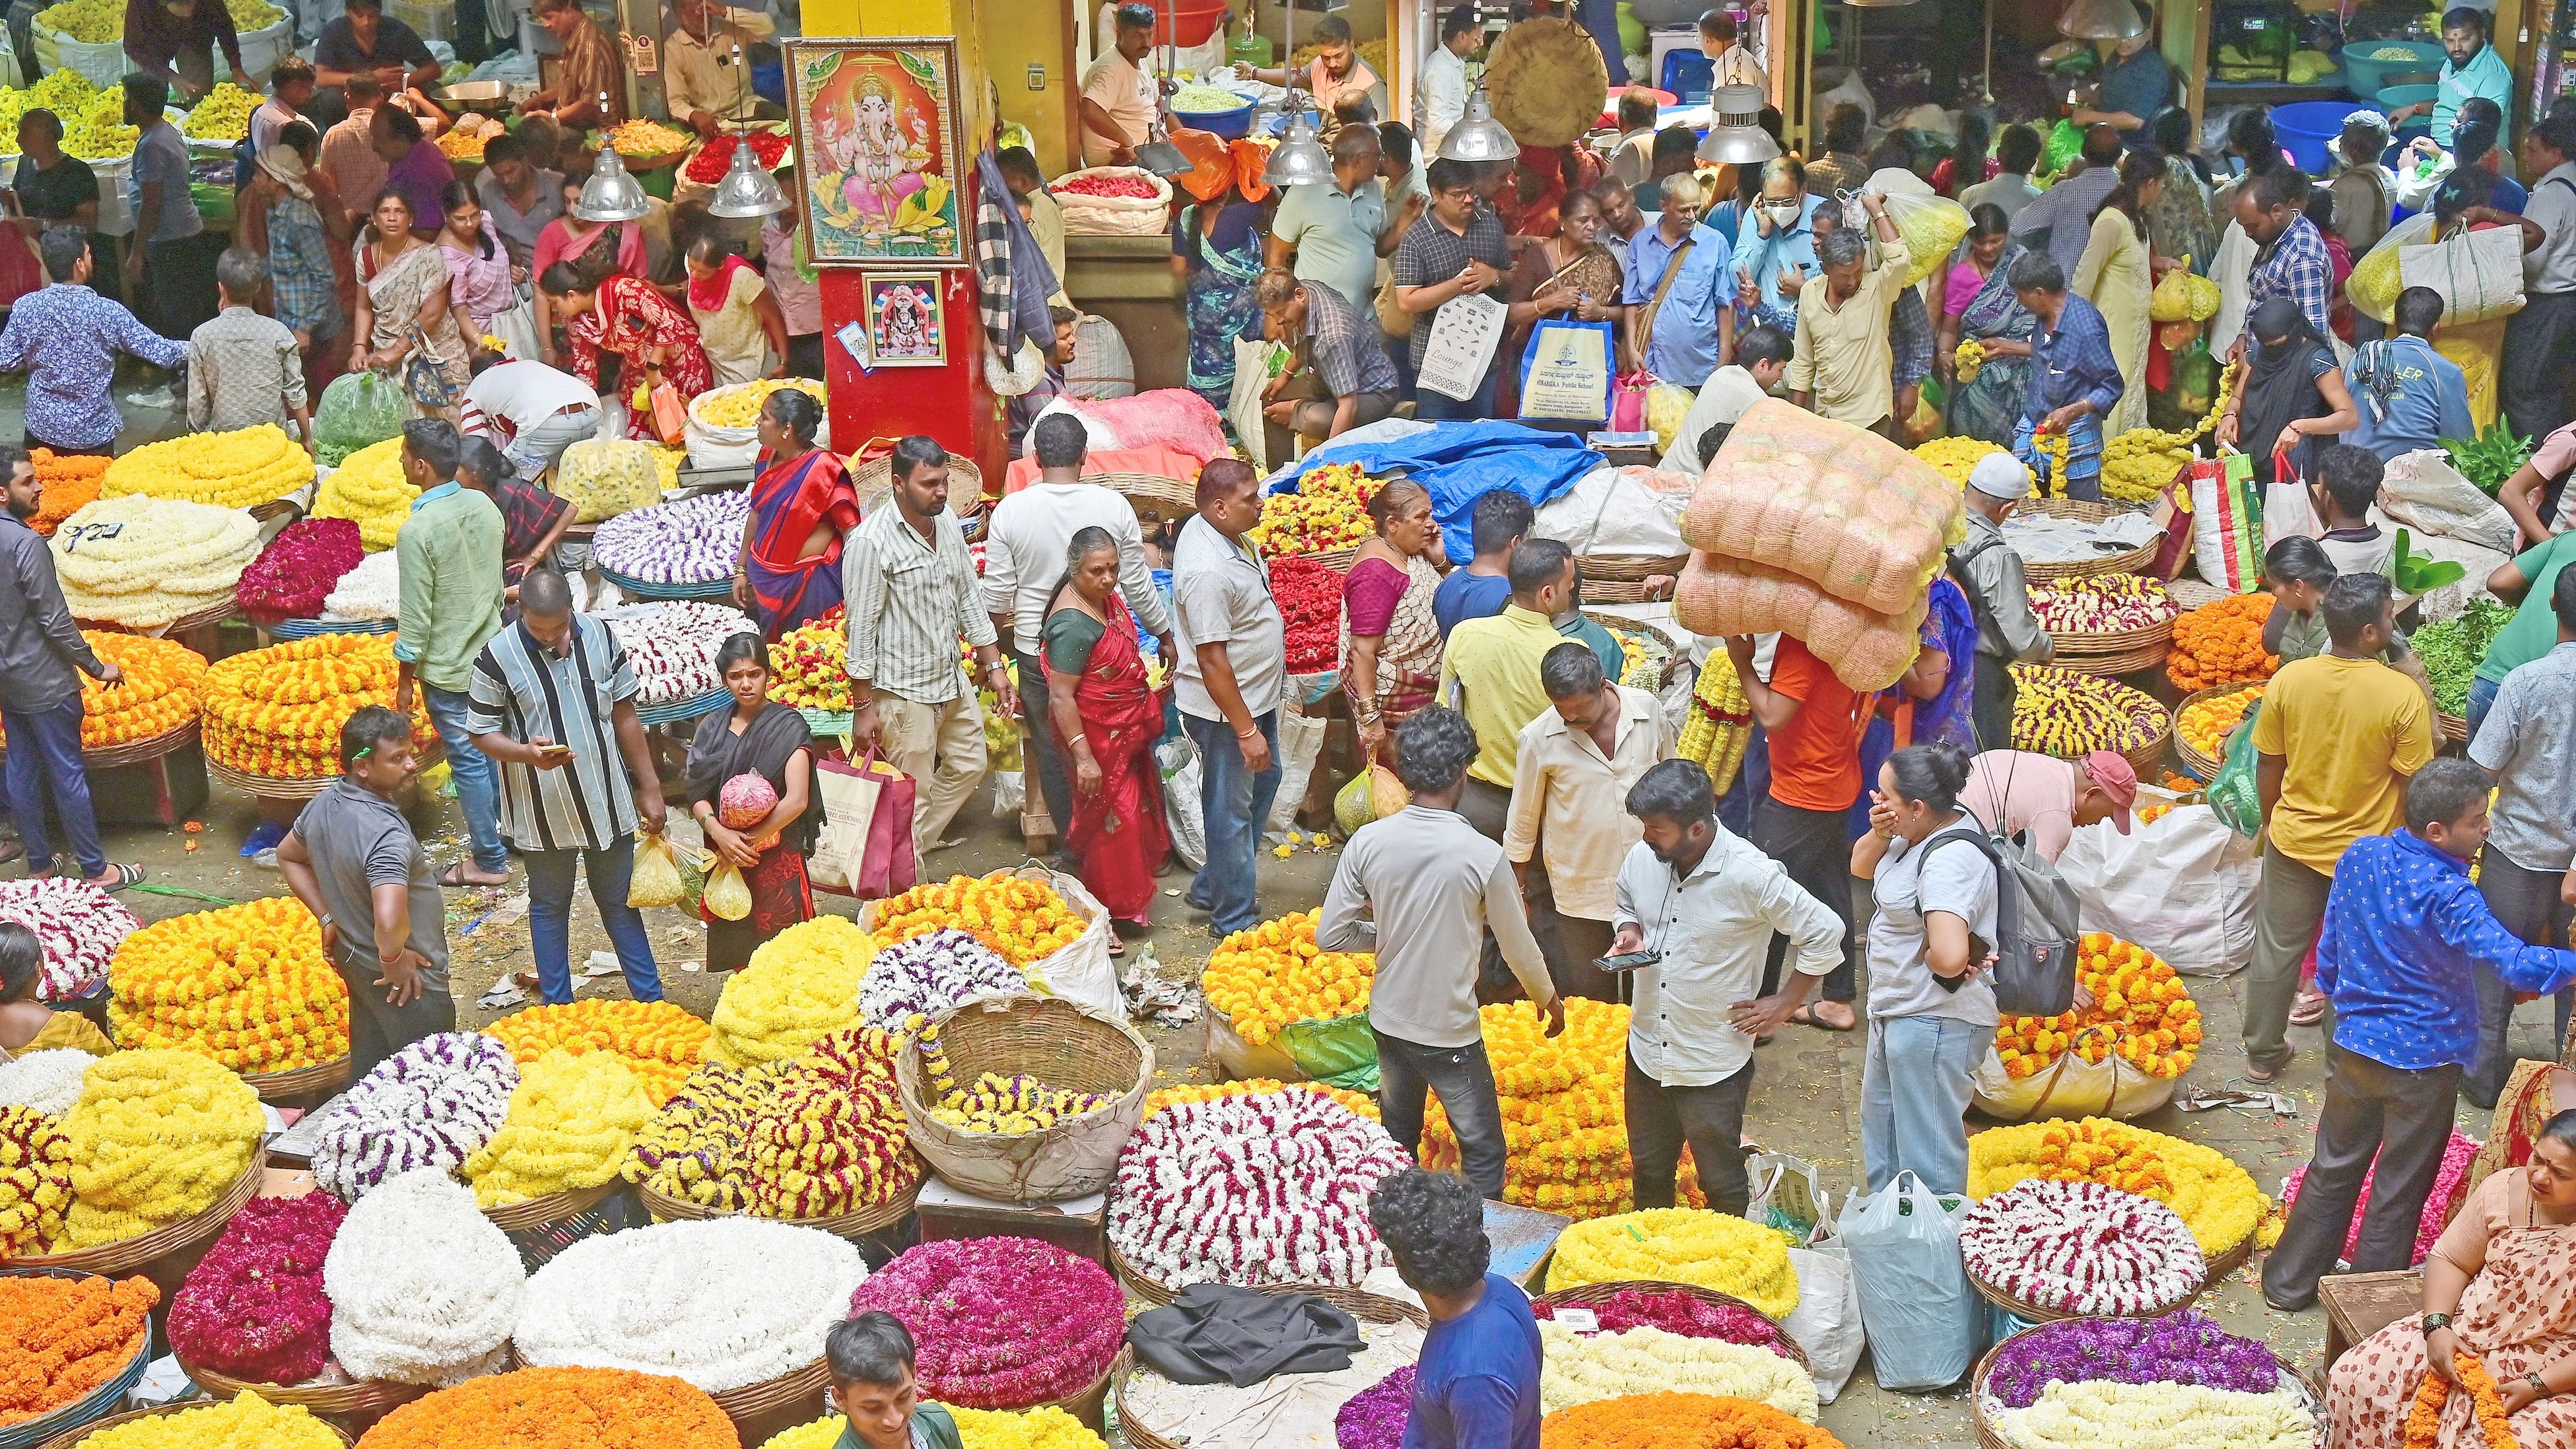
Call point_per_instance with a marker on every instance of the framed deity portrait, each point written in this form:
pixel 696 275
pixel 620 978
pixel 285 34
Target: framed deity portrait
pixel 879 132
pixel 907 322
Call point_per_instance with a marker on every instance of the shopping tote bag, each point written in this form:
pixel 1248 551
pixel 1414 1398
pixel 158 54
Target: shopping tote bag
pixel 2227 523
pixel 851 799
pixel 890 865
pixel 1566 372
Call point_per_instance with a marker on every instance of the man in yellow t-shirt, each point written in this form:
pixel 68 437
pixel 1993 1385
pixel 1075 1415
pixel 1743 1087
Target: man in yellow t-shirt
pixel 1489 673
pixel 2337 737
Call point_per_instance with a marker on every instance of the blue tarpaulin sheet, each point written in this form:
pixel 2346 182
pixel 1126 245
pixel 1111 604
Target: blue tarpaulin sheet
pixel 1462 462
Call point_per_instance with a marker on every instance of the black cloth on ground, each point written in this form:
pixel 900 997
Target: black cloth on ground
pixel 1213 1333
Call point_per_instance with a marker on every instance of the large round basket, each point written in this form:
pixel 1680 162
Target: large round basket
pixel 646 589
pixel 2029 1312
pixel 1593 1293
pixel 88 1408
pixel 211 614
pixel 1367 1307
pixel 544 1226
pixel 859 1224
pixel 68 1439
pixel 1090 1404
pixel 164 1254
pixel 1339 560
pixel 2455 728
pixel 313 1081
pixel 874 483
pixel 309 628
pixel 1625 568
pixel 1359 1303
pixel 763 1409
pixel 364 1400
pixel 1617 625
pixel 136 752
pixel 2229 1261
pixel 1151 494
pixel 1991 1437
pixel 269 787
pixel 681 710
pixel 2203 767
pixel 1060 1044
pixel 2127 562
pixel 2126 651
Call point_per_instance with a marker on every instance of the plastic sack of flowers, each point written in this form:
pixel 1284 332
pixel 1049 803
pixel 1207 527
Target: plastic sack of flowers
pixel 727 897
pixel 1925 1323
pixel 424 1289
pixel 656 882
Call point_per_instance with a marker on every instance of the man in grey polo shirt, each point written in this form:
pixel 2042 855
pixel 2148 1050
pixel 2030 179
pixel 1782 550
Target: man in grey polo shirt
pixel 2528 743
pixel 353 861
pixel 1336 230
pixel 1229 678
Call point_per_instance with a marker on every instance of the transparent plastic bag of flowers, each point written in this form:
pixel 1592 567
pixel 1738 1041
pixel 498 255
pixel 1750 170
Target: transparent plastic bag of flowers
pixel 656 882
pixel 358 409
pixel 728 898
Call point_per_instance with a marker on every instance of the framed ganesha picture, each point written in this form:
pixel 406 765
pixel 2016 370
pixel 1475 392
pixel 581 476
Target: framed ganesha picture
pixel 878 130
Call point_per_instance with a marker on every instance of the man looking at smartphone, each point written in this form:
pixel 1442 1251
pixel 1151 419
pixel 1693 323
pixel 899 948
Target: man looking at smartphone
pixel 1704 904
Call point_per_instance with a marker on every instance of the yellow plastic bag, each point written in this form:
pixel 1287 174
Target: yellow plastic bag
pixel 1667 405
pixel 656 880
pixel 604 479
pixel 728 898
pixel 2183 297
pixel 1931 224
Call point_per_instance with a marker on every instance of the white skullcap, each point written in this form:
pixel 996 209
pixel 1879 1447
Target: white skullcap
pixel 2001 475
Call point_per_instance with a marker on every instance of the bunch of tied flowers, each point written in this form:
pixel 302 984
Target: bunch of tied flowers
pixel 1679 1421
pixel 143 562
pixel 659 1041
pixel 2216 1198
pixel 432 1104
pixel 2082 1248
pixel 423 1288
pixel 1023 920
pixel 244 1421
pixel 63 1338
pixel 1002 1323
pixel 299 568
pixel 246 985
pixel 372 590
pixel 686 541
pixel 253 1307
pixel 818 1135
pixel 672 646
pixel 800 986
pixel 1252 1191
pixel 2105 1414
pixel 570 1121
pixel 1679 1245
pixel 48 1081
pixel 79 925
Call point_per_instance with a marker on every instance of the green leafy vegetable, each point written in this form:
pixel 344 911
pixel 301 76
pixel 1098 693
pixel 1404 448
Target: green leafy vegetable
pixel 2453 649
pixel 2489 458
pixel 2419 574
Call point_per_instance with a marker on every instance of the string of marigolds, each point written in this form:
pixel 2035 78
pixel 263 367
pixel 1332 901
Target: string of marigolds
pixel 2138 465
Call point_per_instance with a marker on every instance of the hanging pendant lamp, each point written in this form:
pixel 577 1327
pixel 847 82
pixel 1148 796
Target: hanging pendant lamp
pixel 611 194
pixel 1479 137
pixel 1736 137
pixel 2101 20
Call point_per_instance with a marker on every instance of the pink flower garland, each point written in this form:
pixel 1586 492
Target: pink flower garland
pixel 1679 1313
pixel 298 569
pixel 253 1307
pixel 2437 1204
pixel 1001 1323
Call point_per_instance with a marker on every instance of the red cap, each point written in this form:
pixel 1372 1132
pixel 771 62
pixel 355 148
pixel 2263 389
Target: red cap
pixel 2113 775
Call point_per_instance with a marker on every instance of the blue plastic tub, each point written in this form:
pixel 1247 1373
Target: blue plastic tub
pixel 2369 77
pixel 2308 130
pixel 1232 125
pixel 1279 122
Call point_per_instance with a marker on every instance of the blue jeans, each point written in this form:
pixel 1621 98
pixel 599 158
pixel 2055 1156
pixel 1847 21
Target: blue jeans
pixel 536 450
pixel 2083 463
pixel 2482 695
pixel 45 759
pixel 478 784
pixel 1430 406
pixel 1922 1128
pixel 1233 802
pixel 550 918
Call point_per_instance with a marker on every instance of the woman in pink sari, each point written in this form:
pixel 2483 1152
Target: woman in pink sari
pixel 1390 637
pixel 1106 717
pixel 802 511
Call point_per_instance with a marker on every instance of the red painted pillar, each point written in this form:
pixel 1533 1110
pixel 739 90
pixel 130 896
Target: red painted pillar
pixel 949 402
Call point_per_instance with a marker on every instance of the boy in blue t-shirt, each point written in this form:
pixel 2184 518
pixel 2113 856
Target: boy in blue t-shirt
pixel 1476 1385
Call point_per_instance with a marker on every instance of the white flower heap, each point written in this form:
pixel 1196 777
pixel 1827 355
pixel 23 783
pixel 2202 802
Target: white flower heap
pixel 142 561
pixel 722 1303
pixel 372 590
pixel 1582 1367
pixel 2083 1248
pixel 687 541
pixel 424 1289
pixel 930 974
pixel 430 1105
pixel 1252 1191
pixel 48 1081
pixel 673 646
pixel 79 925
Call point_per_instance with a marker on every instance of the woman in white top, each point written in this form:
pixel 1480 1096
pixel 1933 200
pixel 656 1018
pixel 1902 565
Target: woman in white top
pixel 1931 1007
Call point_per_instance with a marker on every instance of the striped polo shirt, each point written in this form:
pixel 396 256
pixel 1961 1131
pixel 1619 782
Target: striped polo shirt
pixel 525 691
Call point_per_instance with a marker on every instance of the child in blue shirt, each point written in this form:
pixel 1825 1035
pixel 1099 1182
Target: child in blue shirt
pixel 1476 1385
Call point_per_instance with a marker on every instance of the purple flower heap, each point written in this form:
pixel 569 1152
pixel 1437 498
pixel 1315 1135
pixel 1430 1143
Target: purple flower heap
pixel 1252 1191
pixel 1002 1323
pixel 253 1307
pixel 689 541
pixel 1374 1418
pixel 930 973
pixel 432 1104
pixel 1682 1314
pixel 2180 1348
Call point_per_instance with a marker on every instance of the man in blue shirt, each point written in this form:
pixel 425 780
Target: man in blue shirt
pixel 2138 85
pixel 2074 382
pixel 2474 69
pixel 1680 318
pixel 2410 397
pixel 1499 520
pixel 1476 1386
pixel 2406 936
pixel 66 338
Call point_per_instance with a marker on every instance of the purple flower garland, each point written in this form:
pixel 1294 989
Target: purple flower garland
pixel 2179 1348
pixel 1374 1418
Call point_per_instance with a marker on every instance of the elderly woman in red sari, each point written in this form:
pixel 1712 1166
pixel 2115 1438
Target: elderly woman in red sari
pixel 623 315
pixel 757 736
pixel 1106 717
pixel 802 512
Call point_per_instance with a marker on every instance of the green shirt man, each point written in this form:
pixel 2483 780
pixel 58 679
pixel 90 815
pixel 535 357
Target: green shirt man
pixel 871 1358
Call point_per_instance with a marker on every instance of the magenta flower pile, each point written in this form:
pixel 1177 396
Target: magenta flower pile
pixel 2457 1158
pixel 298 569
pixel 1374 1418
pixel 1001 1323
pixel 253 1307
pixel 2179 1348
pixel 1682 1314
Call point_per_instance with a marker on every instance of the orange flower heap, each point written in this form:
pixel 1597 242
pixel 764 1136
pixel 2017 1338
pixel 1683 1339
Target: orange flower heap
pixel 559 1408
pixel 659 1042
pixel 277 711
pixel 70 483
pixel 2206 725
pixel 1678 1421
pixel 2141 1012
pixel 62 1338
pixel 158 694
pixel 2221 643
pixel 246 985
pixel 1022 920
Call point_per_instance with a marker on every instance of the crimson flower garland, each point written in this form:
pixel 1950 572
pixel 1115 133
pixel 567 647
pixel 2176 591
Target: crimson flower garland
pixel 298 569
pixel 253 1307
pixel 1310 601
pixel 1001 1323
pixel 1682 1314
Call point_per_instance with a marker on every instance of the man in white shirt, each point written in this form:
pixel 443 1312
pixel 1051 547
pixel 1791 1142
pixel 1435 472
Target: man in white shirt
pixel 1734 65
pixel 1119 95
pixel 1578 760
pixel 2539 338
pixel 1632 160
pixel 1707 903
pixel 1024 559
pixel 1440 91
pixel 2016 152
pixel 533 411
pixel 1762 354
pixel 291 88
pixel 1229 679
pixel 706 64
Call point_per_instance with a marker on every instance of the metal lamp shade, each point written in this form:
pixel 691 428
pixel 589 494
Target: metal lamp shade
pixel 2101 20
pixel 1479 137
pixel 1161 157
pixel 612 195
pixel 1300 160
pixel 1737 137
pixel 746 191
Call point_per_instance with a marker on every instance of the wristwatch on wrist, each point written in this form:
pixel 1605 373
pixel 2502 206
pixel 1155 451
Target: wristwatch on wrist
pixel 2434 1321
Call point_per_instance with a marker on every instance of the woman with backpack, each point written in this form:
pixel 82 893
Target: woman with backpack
pixel 1931 1007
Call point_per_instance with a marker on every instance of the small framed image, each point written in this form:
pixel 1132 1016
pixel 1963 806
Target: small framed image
pixel 907 324
pixel 879 130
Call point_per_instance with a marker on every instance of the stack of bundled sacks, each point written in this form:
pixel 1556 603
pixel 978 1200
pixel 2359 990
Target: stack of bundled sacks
pixel 1822 531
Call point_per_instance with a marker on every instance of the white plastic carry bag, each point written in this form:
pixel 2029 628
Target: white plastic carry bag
pixel 1301 740
pixel 1179 761
pixel 2181 887
pixel 2425 493
pixel 1923 1319
pixel 2478 273
pixel 1827 1321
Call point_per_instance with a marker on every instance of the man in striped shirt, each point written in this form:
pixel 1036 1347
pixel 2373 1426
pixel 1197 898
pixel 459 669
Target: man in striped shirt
pixel 553 706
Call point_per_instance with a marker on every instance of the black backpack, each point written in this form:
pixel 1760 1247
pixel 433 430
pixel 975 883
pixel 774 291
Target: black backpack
pixel 2036 924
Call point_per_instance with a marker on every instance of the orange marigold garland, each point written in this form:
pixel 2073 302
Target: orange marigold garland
pixel 70 483
pixel 559 1408
pixel 2221 643
pixel 1679 1421
pixel 61 1338
pixel 2424 1420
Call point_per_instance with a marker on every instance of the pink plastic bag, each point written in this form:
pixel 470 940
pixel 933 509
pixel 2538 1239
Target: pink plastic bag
pixel 1173 416
pixel 1628 402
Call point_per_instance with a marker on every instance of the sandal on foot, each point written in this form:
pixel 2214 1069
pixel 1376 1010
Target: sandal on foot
pixel 124 875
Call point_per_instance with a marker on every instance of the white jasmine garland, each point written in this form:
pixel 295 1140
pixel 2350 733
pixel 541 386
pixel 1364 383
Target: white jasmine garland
pixel 1252 1191
pixel 431 1105
pixel 372 590
pixel 2083 1248
pixel 424 1289
pixel 79 925
pixel 673 645
pixel 143 561
pixel 49 1080
pixel 723 1303
pixel 2101 1414
pixel 686 541
pixel 1583 1367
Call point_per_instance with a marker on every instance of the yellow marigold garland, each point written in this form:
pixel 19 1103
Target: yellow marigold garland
pixel 1273 974
pixel 801 985
pixel 2216 1198
pixel 2424 1417
pixel 571 1120
pixel 277 711
pixel 1023 920
pixel 1680 1245
pixel 246 985
pixel 157 1136
pixel 369 489
pixel 658 1041
pixel 239 469
pixel 245 1421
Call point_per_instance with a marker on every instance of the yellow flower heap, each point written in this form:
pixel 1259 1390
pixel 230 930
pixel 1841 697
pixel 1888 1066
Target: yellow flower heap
pixel 2216 1198
pixel 739 407
pixel 157 1136
pixel 143 562
pixel 369 489
pixel 1327 512
pixel 1273 974
pixel 1958 457
pixel 35 1182
pixel 277 711
pixel 658 1041
pixel 245 1421
pixel 1680 1245
pixel 816 1135
pixel 643 138
pixel 224 115
pixel 246 985
pixel 1565 1110
pixel 1024 921
pixel 1008 1105
pixel 239 469
pixel 801 985
pixel 571 1120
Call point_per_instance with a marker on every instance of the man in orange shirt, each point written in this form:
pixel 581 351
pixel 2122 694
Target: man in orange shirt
pixel 1815 722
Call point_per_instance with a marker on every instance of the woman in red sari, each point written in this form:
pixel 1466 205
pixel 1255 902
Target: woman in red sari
pixel 624 315
pixel 802 511
pixel 1106 719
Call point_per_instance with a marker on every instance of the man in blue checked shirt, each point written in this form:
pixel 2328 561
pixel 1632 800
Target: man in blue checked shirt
pixel 2074 383
pixel 2292 261
pixel 66 339
pixel 2406 932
